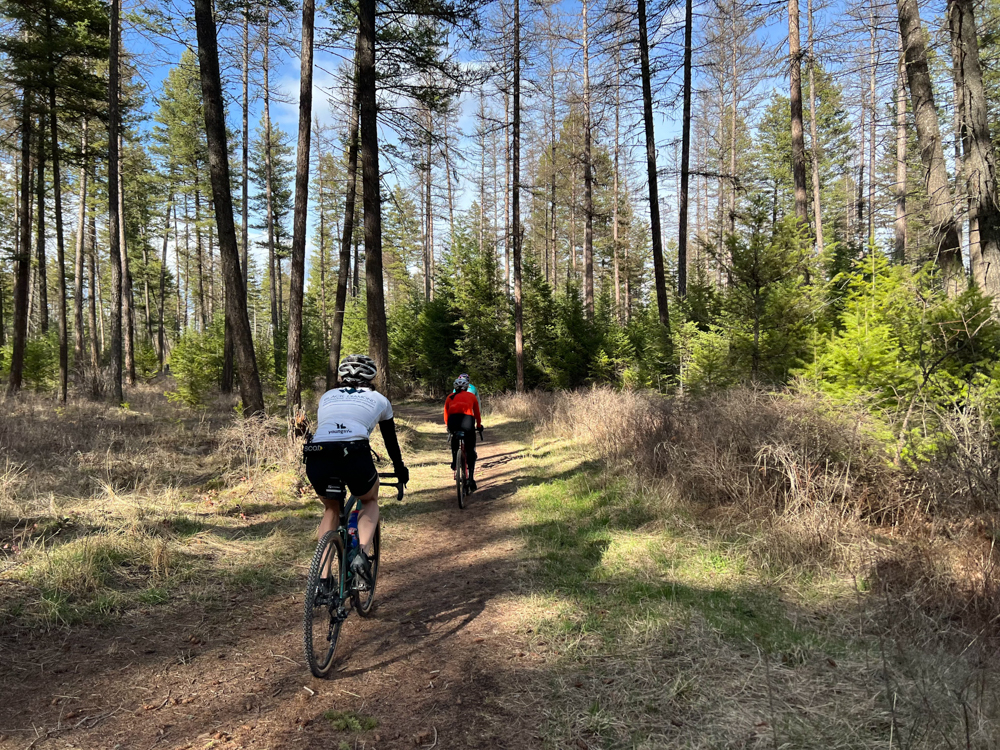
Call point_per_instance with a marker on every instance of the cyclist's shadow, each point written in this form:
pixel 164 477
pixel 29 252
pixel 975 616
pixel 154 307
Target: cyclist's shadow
pixel 465 612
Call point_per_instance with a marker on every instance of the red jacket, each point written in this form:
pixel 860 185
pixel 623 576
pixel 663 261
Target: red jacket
pixel 462 403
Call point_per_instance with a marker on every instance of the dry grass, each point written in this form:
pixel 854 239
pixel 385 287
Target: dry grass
pixel 777 580
pixel 104 509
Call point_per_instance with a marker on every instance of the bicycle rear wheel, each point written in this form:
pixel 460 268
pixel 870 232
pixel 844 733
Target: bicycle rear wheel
pixel 461 478
pixel 364 599
pixel 322 618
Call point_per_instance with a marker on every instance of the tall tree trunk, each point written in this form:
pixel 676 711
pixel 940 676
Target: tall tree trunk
pixel 813 139
pixel 93 293
pixel 614 208
pixel 428 210
pixel 941 215
pixel 899 247
pixel 81 232
pixel 859 203
pixel 451 197
pixel 795 101
pixel 114 208
pixel 297 263
pixel 659 278
pixel 41 260
pixel 218 158
pixel 378 339
pixel 980 158
pixel 200 262
pixel 554 174
pixel 873 63
pixel 273 281
pixel 515 199
pixel 344 269
pixel 161 339
pixel 682 216
pixel 128 297
pixel 60 249
pixel 588 180
pixel 245 174
pixel 23 278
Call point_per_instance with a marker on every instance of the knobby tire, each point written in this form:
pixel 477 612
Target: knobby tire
pixel 321 629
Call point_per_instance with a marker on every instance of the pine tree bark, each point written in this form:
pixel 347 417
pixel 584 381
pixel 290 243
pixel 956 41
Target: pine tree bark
pixel 378 339
pixel 588 180
pixel 297 263
pixel 273 281
pixel 344 269
pixel 40 259
pixel 23 278
pixel 60 249
pixel 515 200
pixel 941 214
pixel 795 108
pixel 682 217
pixel 813 139
pixel 161 338
pixel 218 157
pixel 128 296
pixel 114 208
pixel 979 156
pixel 899 246
pixel 659 278
pixel 92 295
pixel 81 232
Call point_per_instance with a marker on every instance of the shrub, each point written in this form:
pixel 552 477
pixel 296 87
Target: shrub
pixel 196 362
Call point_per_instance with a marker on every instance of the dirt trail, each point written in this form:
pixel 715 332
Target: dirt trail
pixel 436 662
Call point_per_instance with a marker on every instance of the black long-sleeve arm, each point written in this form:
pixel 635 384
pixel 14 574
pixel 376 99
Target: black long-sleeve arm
pixel 388 429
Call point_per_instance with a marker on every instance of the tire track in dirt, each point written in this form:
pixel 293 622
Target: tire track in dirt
pixel 437 663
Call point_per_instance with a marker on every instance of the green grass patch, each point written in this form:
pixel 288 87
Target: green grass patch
pixel 617 557
pixel 350 721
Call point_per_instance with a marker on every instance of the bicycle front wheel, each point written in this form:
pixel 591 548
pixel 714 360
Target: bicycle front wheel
pixel 322 619
pixel 364 598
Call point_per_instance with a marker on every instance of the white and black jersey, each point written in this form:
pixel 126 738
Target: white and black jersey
pixel 350 413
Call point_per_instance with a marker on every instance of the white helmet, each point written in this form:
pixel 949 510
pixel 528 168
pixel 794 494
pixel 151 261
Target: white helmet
pixel 357 368
pixel 461 382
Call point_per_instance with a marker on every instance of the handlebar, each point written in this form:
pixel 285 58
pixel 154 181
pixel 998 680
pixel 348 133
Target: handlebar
pixel 398 485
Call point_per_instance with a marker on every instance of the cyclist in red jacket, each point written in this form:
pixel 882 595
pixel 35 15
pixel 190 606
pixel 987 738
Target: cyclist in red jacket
pixel 461 413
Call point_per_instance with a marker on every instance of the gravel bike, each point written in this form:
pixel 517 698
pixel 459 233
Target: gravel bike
pixel 332 588
pixel 461 466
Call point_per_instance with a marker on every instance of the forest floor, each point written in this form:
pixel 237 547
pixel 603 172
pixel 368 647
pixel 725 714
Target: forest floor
pixel 554 611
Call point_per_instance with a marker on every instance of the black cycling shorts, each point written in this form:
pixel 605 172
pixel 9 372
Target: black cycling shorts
pixel 351 462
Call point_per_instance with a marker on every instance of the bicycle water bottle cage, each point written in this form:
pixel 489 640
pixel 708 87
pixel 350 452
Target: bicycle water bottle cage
pixel 335 490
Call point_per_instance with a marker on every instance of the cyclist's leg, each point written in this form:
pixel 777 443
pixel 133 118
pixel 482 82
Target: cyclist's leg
pixel 469 425
pixel 456 422
pixel 368 517
pixel 364 484
pixel 319 469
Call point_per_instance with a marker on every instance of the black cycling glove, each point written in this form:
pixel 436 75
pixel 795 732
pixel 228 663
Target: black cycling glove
pixel 402 474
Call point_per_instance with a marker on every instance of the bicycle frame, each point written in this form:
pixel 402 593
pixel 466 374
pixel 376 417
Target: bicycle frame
pixel 336 491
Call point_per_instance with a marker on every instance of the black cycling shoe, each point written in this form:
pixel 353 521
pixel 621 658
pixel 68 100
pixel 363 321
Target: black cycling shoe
pixel 361 566
pixel 472 485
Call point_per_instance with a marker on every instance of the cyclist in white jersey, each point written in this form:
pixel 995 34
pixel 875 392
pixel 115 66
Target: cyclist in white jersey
pixel 346 417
